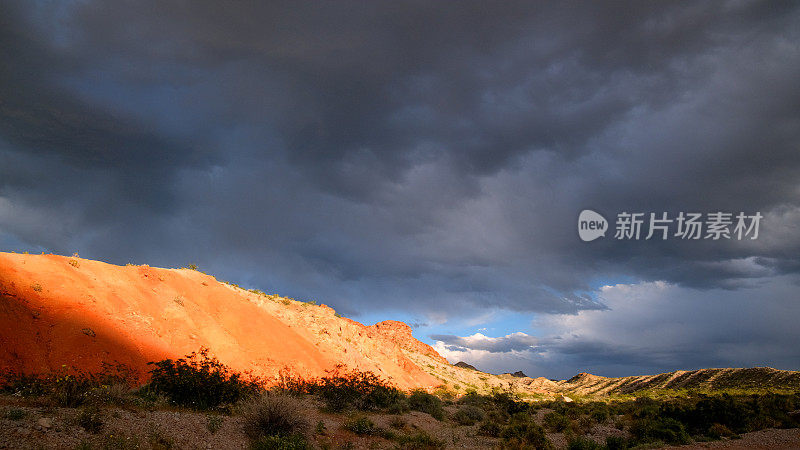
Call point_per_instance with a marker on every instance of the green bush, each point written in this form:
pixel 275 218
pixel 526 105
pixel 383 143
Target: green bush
pixel 582 443
pixel 15 414
pixel 663 429
pixel 420 440
pixel 199 381
pixel 556 421
pixel 273 415
pixel 214 423
pixel 469 415
pixel 420 400
pixel 91 419
pixel 341 390
pixel 69 387
pixel 288 442
pixel 360 425
pixel 522 431
pixel 616 443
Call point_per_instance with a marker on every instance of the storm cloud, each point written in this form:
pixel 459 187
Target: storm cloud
pixel 428 155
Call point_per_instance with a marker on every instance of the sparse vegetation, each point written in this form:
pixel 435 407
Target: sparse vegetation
pixel 428 403
pixel 273 416
pixel 15 414
pixel 469 415
pixel 214 423
pixel 200 381
pixel 91 419
pixel 359 425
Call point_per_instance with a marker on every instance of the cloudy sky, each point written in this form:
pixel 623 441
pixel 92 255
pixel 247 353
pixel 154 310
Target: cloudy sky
pixel 427 162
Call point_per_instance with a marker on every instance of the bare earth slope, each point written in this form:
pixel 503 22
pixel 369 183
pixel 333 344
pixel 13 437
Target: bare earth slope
pixel 56 310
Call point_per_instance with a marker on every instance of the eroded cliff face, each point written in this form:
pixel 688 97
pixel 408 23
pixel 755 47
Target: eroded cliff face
pixel 57 311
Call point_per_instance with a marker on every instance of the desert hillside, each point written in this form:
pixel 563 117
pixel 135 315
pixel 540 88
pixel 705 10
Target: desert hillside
pixel 60 311
pixel 57 310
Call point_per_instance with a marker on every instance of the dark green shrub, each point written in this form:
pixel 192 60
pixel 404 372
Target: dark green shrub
pixel 616 443
pixel 504 401
pixel 718 431
pixel 420 400
pixel 289 442
pixel 474 399
pixel 214 423
pixel 15 414
pixel 69 387
pixel 468 415
pixel 199 381
pixel 360 425
pixel 491 428
pixel 523 431
pixel 91 419
pixel 273 415
pixel 662 429
pixel 341 390
pixel 419 441
pixel 556 421
pixel 583 443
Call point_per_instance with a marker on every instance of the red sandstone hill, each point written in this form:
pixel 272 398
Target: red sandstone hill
pixel 57 310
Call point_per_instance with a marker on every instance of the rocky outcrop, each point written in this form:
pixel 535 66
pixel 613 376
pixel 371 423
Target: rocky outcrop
pixel 400 333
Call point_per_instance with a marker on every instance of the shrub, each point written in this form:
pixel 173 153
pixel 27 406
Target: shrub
pixel 214 423
pixel 663 429
pixel 616 443
pixel 420 440
pixel 91 419
pixel 556 421
pixel 523 431
pixel 341 390
pixel 15 414
pixel 504 401
pixel 491 428
pixel 360 425
pixel 717 431
pixel 70 387
pixel 200 381
pixel 273 415
pixel 582 443
pixel 287 442
pixel 474 399
pixel 428 403
pixel 160 442
pixel 468 415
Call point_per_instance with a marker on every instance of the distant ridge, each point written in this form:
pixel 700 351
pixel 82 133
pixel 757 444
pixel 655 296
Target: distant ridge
pixel 464 365
pixel 701 379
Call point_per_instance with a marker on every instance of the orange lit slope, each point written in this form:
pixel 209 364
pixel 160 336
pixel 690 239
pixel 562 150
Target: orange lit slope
pixel 56 310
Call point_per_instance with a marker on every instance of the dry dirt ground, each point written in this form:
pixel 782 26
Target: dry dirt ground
pixel 123 428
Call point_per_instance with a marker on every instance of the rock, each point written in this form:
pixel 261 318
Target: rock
pixel 45 422
pixel 464 365
pixel 89 332
pixel 566 399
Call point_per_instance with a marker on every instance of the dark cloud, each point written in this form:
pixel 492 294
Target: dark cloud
pixel 429 155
